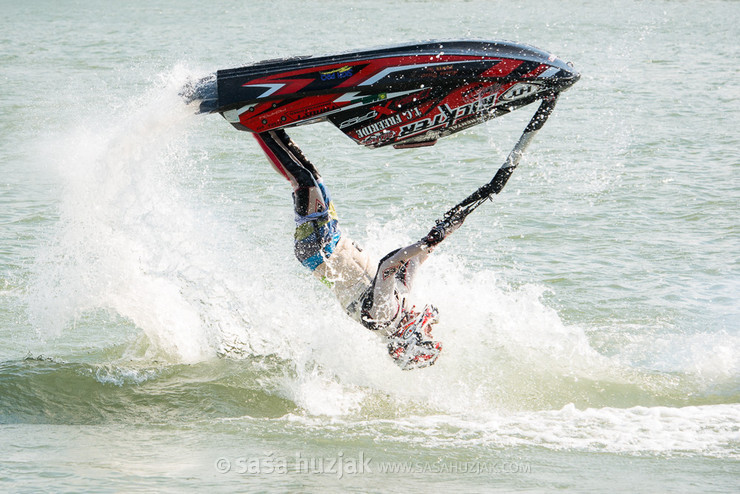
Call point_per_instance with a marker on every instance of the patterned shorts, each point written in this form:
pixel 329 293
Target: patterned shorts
pixel 316 235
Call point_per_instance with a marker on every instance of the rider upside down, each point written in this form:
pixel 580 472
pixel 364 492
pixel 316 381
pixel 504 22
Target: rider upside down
pixel 374 294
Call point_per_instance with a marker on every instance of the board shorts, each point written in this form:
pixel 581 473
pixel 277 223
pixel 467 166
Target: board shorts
pixel 317 230
pixel 317 234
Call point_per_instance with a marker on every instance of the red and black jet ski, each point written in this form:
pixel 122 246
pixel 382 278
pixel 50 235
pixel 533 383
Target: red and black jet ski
pixel 406 95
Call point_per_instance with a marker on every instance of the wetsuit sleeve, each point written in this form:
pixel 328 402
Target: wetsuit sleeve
pixel 386 301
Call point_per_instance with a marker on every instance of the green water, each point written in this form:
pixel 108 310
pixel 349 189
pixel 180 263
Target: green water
pixel 590 313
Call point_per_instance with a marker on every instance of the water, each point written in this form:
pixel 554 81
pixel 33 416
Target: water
pixel 590 313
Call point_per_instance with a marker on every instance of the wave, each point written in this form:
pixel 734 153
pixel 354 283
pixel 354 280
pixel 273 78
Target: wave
pixel 45 391
pixel 709 430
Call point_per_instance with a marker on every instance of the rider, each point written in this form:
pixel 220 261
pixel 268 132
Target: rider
pixel 373 293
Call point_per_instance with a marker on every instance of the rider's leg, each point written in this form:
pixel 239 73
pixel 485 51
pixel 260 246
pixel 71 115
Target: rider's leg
pixel 317 231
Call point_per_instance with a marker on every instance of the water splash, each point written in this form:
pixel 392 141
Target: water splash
pixel 130 240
